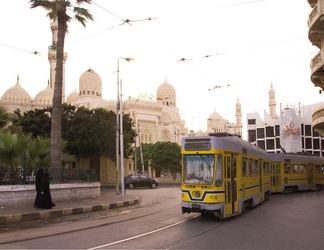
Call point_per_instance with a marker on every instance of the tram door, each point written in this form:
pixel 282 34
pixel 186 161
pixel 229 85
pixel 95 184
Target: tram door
pixel 310 175
pixel 261 180
pixel 275 178
pixel 231 199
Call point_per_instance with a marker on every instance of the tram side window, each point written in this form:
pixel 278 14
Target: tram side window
pixel 266 168
pixel 295 169
pixel 287 168
pixel 256 167
pixel 244 166
pixel 322 169
pixel 302 168
pixel 219 171
pixel 251 167
pixel 317 169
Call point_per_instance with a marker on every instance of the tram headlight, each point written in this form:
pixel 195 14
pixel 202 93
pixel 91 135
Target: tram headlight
pixel 196 194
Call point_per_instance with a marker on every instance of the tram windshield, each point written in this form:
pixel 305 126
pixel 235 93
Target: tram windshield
pixel 199 169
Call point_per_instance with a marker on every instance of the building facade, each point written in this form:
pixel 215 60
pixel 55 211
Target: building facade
pixel 316 37
pixel 290 132
pixel 155 120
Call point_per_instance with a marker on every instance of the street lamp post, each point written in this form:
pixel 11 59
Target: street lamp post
pixel 119 132
pixel 121 143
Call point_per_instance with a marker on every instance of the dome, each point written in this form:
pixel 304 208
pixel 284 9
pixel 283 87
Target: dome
pixel 166 93
pixel 215 117
pixel 16 93
pixel 200 133
pixel 45 95
pixel 72 97
pixel 90 83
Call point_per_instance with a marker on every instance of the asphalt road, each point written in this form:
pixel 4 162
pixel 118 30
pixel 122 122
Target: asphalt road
pixel 289 221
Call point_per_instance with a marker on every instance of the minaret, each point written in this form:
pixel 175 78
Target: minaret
pixel 238 114
pixel 52 59
pixel 272 102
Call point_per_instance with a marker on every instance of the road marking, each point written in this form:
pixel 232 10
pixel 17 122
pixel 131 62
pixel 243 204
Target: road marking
pixel 142 235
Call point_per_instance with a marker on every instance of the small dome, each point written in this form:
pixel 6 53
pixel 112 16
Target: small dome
pixel 167 94
pixel 16 93
pixel 90 84
pixel 45 95
pixel 215 117
pixel 72 97
pixel 200 133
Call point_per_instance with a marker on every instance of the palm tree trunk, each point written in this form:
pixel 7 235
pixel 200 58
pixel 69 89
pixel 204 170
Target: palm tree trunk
pixel 56 128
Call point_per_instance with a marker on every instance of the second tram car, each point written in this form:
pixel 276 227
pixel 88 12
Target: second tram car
pixel 223 174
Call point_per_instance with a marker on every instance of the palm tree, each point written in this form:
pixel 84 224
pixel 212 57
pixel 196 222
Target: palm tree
pixel 57 11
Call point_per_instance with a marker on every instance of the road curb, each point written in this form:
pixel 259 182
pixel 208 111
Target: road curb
pixel 16 218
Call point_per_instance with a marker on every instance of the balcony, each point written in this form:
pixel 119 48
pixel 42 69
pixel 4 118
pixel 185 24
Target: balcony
pixel 316 24
pixel 316 36
pixel 318 120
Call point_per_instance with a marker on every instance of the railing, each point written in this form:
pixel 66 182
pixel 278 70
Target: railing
pixel 21 176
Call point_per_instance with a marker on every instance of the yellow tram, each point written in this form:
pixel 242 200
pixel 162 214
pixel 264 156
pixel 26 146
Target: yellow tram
pixel 223 174
pixel 296 172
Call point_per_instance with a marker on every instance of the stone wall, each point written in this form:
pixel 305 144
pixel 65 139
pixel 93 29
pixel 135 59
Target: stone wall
pixel 25 194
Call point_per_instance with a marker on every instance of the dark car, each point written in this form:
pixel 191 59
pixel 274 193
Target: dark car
pixel 140 180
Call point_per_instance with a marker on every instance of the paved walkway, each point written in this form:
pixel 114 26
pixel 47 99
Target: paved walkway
pixel 108 199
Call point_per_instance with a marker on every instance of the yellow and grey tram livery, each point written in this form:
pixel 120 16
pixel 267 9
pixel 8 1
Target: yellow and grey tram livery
pixel 222 174
pixel 296 172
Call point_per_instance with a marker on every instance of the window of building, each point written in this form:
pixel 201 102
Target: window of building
pixel 251 122
pixel 277 129
pixel 260 133
pixel 316 144
pixel 308 142
pixel 270 144
pixel 302 129
pixel 261 144
pixel 308 130
pixel 277 143
pixel 252 135
pixel 270 131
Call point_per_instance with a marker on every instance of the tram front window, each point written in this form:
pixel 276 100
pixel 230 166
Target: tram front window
pixel 199 169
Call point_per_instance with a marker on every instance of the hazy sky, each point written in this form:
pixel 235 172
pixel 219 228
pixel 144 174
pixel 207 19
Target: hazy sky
pixel 247 44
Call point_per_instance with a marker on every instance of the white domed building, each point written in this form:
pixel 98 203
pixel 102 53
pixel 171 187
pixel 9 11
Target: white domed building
pixel 155 120
pixel 16 98
pixel 44 98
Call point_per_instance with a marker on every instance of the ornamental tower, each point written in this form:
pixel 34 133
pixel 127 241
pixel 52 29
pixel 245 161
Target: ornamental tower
pixel 52 59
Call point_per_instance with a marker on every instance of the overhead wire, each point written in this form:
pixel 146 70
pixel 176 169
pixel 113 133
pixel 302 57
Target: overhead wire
pixel 185 60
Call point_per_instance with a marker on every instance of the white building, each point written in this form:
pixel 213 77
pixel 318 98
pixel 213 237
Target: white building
pixel 291 131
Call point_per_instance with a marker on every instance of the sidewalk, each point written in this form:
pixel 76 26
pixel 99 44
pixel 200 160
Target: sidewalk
pixel 108 199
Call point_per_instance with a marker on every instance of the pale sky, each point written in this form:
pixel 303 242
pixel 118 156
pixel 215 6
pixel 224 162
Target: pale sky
pixel 246 44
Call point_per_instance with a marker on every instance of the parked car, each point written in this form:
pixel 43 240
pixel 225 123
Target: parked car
pixel 140 180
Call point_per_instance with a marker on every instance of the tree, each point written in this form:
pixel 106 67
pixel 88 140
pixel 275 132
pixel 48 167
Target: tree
pixel 57 10
pixel 22 152
pixel 164 156
pixel 4 117
pixel 37 122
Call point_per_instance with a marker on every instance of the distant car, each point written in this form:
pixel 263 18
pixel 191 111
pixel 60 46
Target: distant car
pixel 140 180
